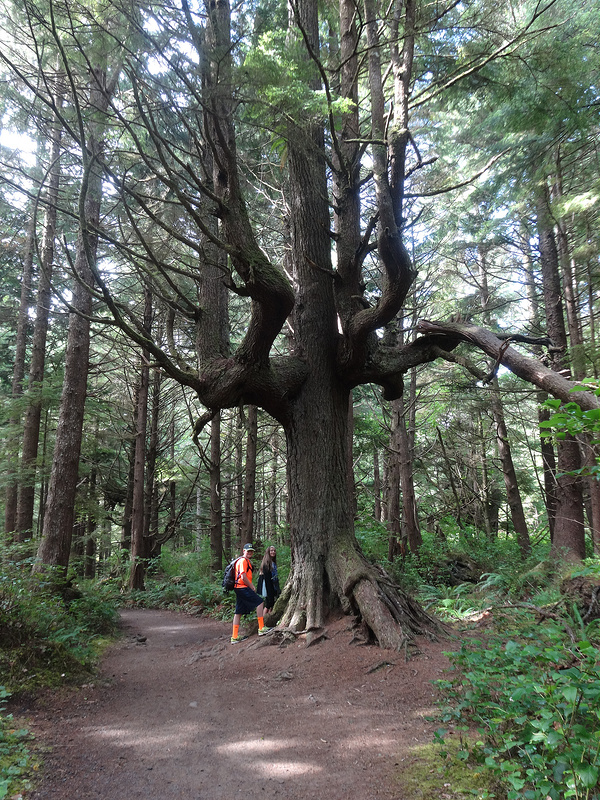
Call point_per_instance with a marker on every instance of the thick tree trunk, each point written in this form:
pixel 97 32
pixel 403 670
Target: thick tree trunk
pixel 212 338
pixel 33 414
pixel 60 504
pixel 328 569
pixel 569 534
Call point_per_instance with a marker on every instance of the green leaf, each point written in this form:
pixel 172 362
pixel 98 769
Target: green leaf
pixel 559 770
pixel 570 693
pixel 552 403
pixel 587 774
pixel 573 408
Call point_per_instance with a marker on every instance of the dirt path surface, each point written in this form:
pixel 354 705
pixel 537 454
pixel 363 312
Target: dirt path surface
pixel 180 713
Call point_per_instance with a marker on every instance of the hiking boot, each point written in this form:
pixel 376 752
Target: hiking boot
pixel 264 631
pixel 236 639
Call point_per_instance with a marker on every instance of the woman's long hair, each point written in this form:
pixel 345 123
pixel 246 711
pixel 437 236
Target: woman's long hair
pixel 266 564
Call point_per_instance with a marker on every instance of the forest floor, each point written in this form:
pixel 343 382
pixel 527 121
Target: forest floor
pixel 178 713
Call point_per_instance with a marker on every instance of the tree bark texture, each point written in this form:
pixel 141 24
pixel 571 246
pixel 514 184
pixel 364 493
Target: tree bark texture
pixel 248 506
pixel 60 503
pixel 569 532
pixel 33 414
pixel 13 442
pixel 139 550
pixel 216 503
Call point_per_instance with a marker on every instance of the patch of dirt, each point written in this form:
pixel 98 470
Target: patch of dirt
pixel 179 713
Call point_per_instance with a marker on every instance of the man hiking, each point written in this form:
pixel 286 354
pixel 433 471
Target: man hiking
pixel 246 598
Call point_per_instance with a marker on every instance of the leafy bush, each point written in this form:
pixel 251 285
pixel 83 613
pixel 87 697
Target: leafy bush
pixel 373 539
pixel 182 579
pixel 45 639
pixel 15 759
pixel 534 697
pixel 462 556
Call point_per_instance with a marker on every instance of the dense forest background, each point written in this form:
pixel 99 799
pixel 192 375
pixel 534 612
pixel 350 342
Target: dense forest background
pixel 499 210
pixel 315 274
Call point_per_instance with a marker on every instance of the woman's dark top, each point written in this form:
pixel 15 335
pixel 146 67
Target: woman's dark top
pixel 268 586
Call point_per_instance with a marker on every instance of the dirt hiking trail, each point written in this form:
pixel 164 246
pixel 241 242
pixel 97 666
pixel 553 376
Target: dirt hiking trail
pixel 179 713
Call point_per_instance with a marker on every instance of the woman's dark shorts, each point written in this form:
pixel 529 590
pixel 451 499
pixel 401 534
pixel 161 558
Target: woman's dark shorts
pixel 246 600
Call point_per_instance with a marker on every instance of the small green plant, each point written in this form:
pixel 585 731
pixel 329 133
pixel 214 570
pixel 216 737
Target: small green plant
pixel 534 698
pixel 450 602
pixel 16 760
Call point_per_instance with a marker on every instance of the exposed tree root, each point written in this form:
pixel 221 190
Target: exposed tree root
pixel 392 615
pixel 385 613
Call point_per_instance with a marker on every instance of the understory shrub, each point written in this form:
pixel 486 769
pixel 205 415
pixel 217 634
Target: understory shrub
pixel 461 556
pixel 182 579
pixel 16 760
pixel 44 639
pixel 533 694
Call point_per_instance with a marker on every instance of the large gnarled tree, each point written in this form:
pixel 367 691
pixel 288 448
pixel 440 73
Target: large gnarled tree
pixel 190 113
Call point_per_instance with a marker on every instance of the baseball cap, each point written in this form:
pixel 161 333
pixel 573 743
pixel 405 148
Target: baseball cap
pixel 249 546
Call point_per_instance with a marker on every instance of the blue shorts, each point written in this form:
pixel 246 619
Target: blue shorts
pixel 246 600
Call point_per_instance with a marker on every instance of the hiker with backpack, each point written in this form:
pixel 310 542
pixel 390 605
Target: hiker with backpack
pixel 268 579
pixel 246 597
